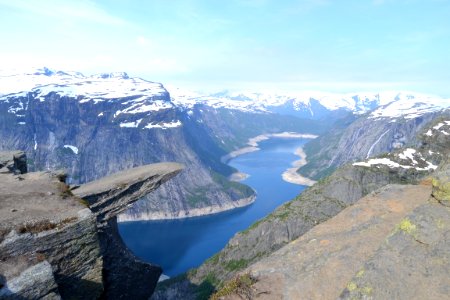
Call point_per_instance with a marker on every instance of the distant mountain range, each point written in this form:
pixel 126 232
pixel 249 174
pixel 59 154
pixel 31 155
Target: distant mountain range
pixel 317 105
pixel 143 96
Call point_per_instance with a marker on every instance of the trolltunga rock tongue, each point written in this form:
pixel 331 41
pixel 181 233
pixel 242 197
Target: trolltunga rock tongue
pixel 111 195
pixel 124 275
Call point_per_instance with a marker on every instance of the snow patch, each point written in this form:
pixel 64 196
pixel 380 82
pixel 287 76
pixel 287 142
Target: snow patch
pixel 408 154
pixel 73 148
pixel 134 124
pixel 392 164
pixel 164 125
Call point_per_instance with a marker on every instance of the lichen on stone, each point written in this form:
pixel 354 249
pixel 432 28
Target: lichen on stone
pixel 441 189
pixel 407 227
pixel 351 286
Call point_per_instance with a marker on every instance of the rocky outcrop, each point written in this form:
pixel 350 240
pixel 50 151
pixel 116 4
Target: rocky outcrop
pixel 392 244
pixel 42 219
pixel 13 161
pixel 36 282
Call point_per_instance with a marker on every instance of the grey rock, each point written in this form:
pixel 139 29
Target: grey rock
pixel 36 282
pixel 13 161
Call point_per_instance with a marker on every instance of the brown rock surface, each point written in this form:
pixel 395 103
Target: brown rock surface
pixel 320 264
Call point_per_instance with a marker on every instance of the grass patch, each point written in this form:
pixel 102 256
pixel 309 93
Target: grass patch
pixel 64 190
pixel 44 225
pixel 240 286
pixel 37 227
pixel 84 202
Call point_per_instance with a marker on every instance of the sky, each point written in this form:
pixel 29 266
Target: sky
pixel 325 45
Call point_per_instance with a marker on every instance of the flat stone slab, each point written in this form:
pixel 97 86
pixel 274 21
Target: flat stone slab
pixel 111 195
pixel 319 264
pixel 34 197
pixel 127 177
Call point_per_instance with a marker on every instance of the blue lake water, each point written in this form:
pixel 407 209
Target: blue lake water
pixel 178 245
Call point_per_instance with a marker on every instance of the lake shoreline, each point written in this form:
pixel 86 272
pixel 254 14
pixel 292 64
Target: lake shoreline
pixel 196 212
pixel 253 143
pixel 291 175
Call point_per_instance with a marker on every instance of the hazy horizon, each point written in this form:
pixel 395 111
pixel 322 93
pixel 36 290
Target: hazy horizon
pixel 320 45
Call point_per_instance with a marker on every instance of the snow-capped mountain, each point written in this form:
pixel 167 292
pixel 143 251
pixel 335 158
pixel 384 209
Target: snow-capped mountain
pixel 317 104
pixel 133 99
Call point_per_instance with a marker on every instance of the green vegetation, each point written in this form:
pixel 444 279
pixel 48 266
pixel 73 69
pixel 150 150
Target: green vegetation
pixel 213 259
pixel 234 265
pixel 83 202
pixel 198 196
pixel 351 286
pixel 207 287
pixel 233 188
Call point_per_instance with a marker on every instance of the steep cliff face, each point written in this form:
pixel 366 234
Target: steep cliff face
pixel 52 245
pixel 367 136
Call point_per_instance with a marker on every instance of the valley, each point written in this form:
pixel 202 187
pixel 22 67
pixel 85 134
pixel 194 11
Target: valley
pixel 247 161
pixel 180 245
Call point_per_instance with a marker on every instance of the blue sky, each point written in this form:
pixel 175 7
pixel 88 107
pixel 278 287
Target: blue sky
pixel 325 45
